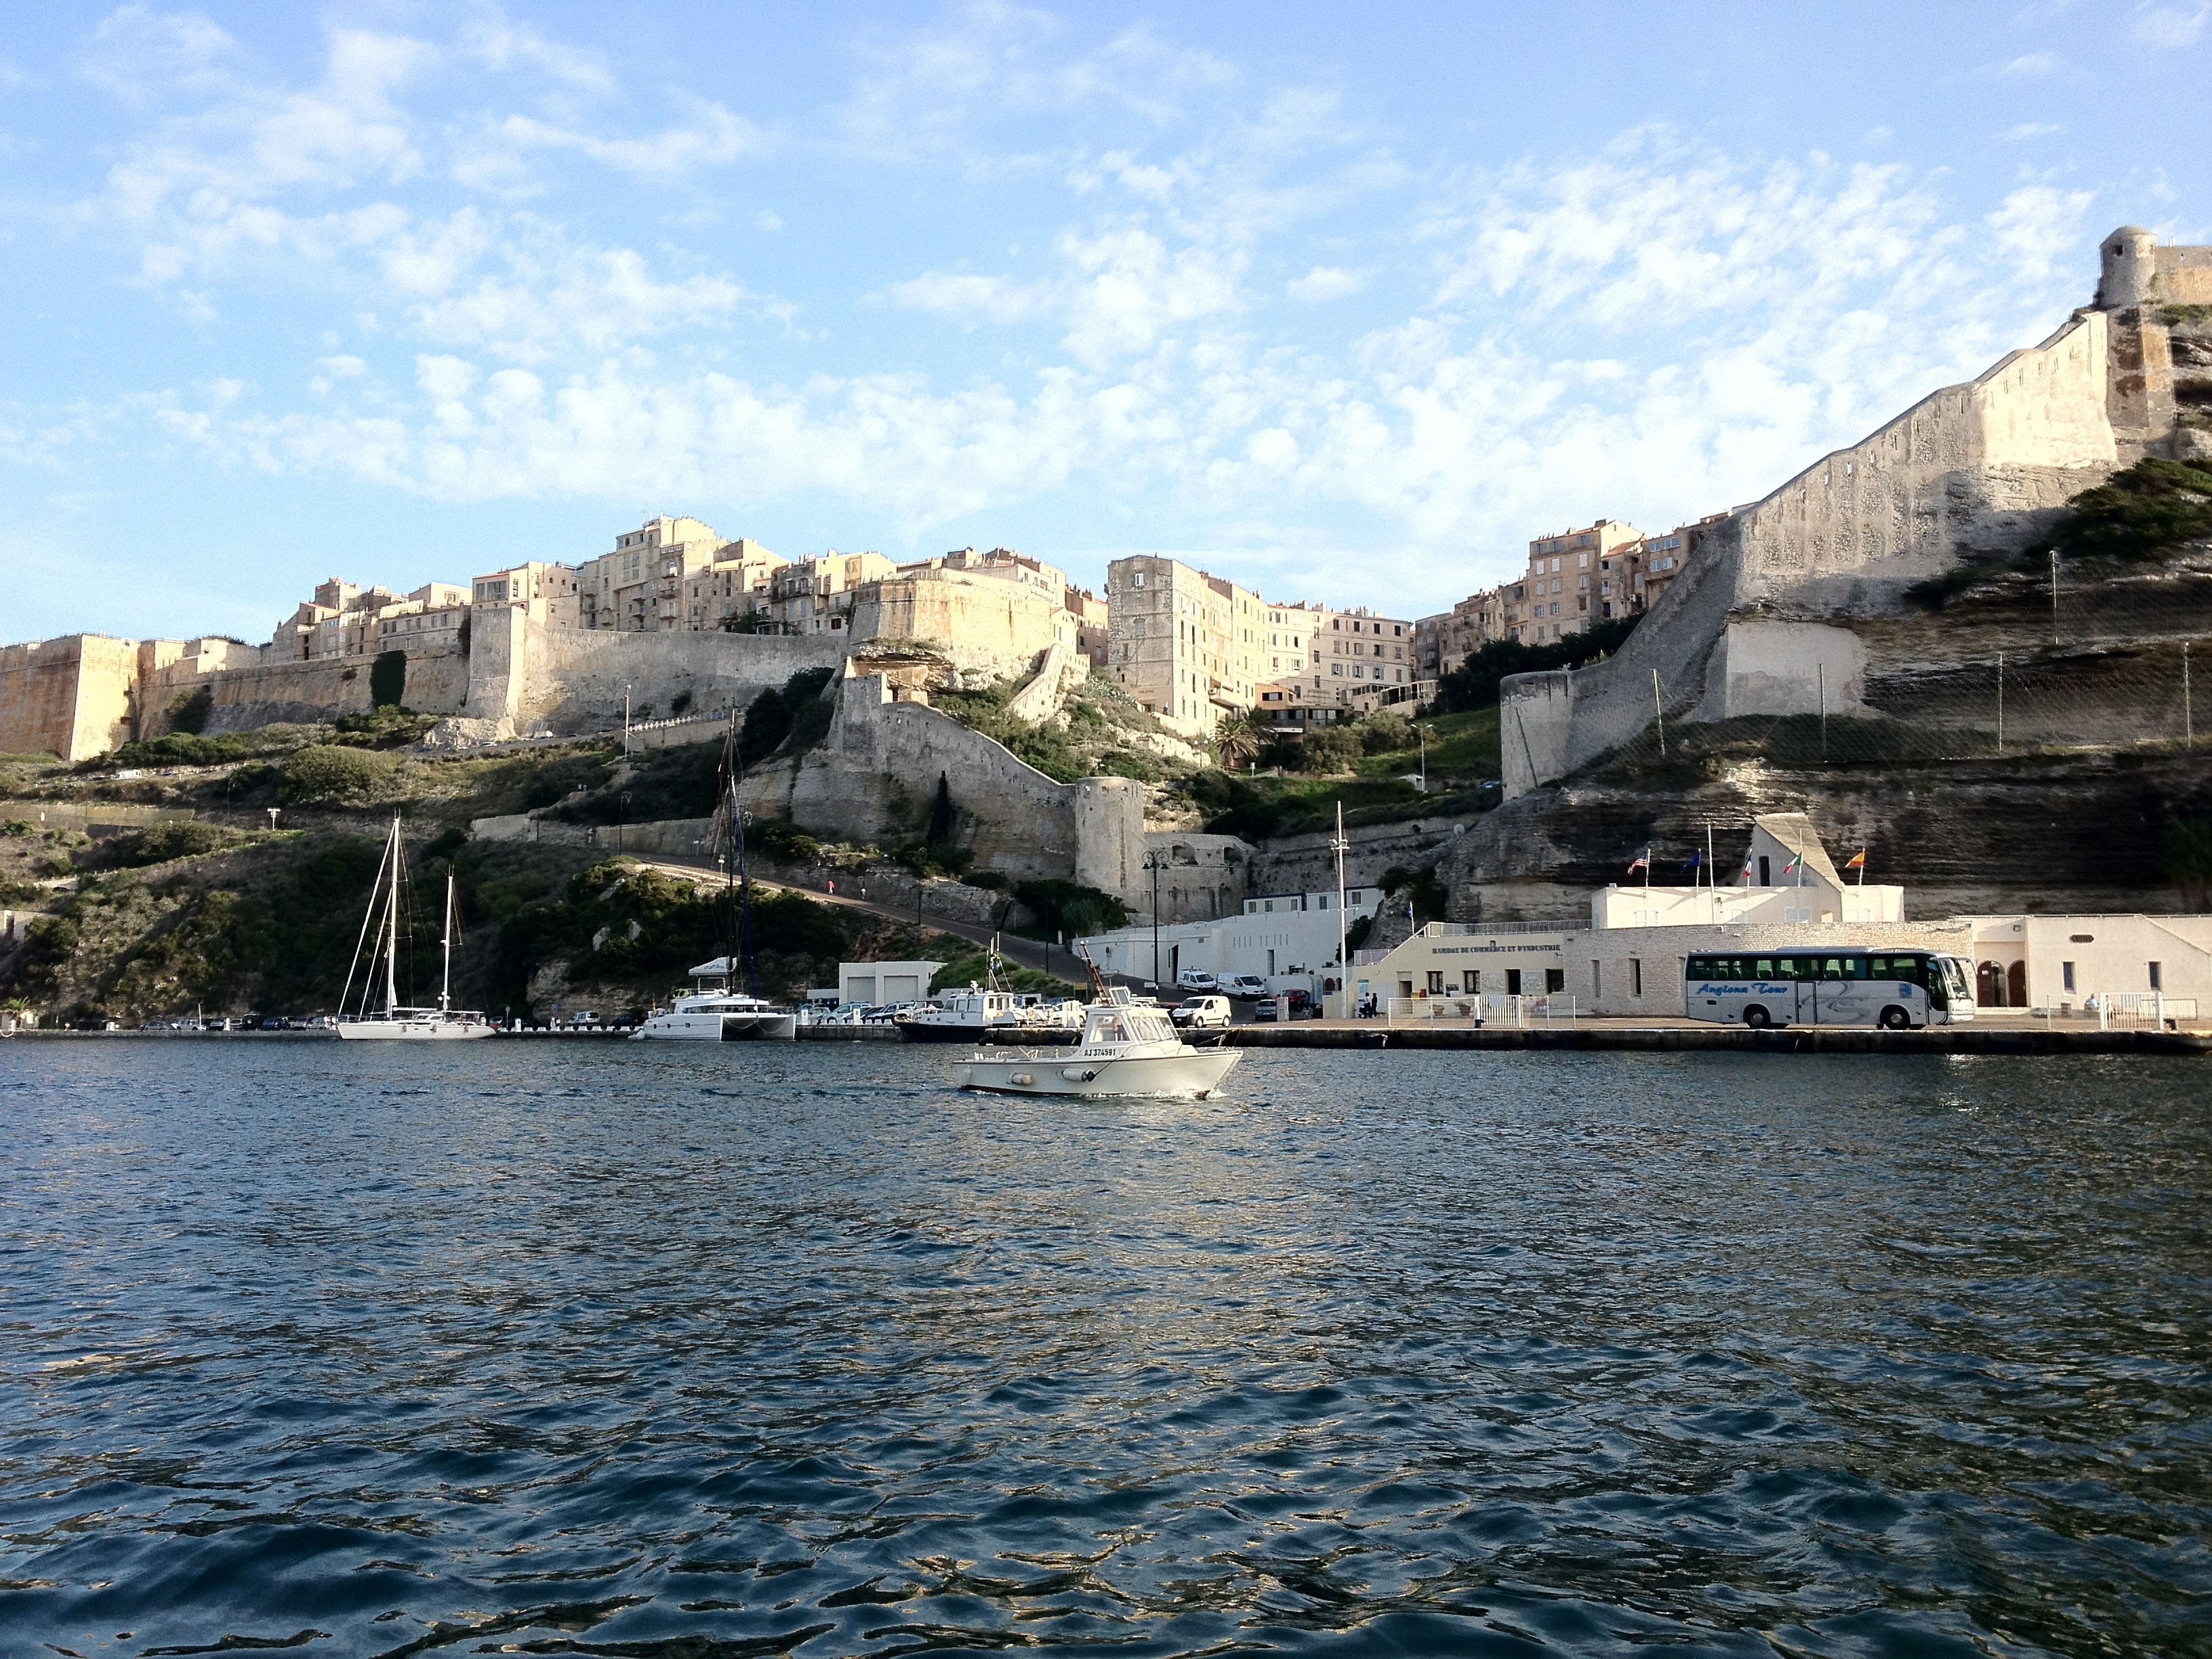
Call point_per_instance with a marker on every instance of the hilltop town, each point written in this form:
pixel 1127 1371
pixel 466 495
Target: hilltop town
pixel 1840 653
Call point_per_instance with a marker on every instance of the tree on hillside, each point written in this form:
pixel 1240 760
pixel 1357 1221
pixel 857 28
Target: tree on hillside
pixel 1473 684
pixel 1237 740
pixel 387 679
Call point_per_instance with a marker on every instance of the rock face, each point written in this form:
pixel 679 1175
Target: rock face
pixel 2081 833
pixel 1763 620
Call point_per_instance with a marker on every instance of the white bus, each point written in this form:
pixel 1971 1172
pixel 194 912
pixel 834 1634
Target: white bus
pixel 1897 989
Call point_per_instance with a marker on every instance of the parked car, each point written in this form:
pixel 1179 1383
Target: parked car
pixel 1201 1013
pixel 274 1023
pixel 1195 979
pixel 1244 985
pixel 1299 1005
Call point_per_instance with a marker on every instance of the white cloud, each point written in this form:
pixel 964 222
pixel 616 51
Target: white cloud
pixel 1326 282
pixel 2031 66
pixel 136 54
pixel 2171 28
pixel 498 44
pixel 2025 130
pixel 2041 228
pixel 594 300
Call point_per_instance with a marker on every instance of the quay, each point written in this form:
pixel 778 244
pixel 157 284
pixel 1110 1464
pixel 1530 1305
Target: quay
pixel 1652 1037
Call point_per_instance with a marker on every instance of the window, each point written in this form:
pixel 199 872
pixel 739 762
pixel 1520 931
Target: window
pixel 1597 977
pixel 2155 977
pixel 1555 979
pixel 2066 974
pixel 1512 981
pixel 1470 982
pixel 1136 580
pixel 1435 982
pixel 1636 976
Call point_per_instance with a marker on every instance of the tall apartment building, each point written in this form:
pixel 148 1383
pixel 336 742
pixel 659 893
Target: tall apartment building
pixel 1186 645
pixel 1335 664
pixel 815 595
pixel 730 588
pixel 1092 620
pixel 1195 649
pixel 638 587
pixel 1570 577
pixel 545 592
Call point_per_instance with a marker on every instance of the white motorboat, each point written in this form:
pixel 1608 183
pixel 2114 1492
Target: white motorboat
pixel 1127 1048
pixel 394 1022
pixel 977 1015
pixel 718 1014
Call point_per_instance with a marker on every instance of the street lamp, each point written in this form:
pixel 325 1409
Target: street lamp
pixel 1155 863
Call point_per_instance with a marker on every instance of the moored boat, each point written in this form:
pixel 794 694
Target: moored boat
pixel 1126 1048
pixel 718 1014
pixel 395 1022
pixel 977 1015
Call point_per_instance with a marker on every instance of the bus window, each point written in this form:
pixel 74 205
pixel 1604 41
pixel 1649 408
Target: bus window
pixel 1832 968
pixel 1854 967
pixel 1763 969
pixel 1699 968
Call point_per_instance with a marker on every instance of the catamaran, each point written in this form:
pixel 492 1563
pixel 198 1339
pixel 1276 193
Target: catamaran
pixel 395 1022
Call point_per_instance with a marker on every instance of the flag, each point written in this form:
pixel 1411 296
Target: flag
pixel 1747 873
pixel 1695 860
pixel 1643 861
pixel 1858 862
pixel 1788 868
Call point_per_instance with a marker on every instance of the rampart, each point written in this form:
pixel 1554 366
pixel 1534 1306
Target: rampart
pixel 873 778
pixel 1755 624
pixel 979 623
pixel 569 681
pixel 75 697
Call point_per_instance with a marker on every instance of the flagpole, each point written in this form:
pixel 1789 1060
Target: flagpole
pixel 1647 869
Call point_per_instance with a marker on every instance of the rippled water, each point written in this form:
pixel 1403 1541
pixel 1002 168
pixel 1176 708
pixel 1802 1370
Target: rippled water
pixel 749 1349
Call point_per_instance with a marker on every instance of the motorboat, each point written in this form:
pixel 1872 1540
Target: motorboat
pixel 396 1021
pixel 718 1014
pixel 1126 1048
pixel 977 1015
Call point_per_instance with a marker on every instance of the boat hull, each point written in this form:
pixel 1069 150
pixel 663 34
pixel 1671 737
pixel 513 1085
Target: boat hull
pixel 911 1030
pixel 414 1030
pixel 775 1026
pixel 1187 1076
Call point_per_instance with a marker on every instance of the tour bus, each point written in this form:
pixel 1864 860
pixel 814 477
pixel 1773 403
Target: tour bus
pixel 1897 989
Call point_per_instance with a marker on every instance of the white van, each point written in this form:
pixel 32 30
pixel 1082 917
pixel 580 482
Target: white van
pixel 1195 979
pixel 1244 985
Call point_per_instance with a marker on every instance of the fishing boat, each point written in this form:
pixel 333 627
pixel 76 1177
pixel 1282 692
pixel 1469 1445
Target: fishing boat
pixel 395 1022
pixel 716 1013
pixel 719 1011
pixel 1127 1048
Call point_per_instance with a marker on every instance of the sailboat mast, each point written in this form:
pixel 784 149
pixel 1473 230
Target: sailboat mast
pixel 745 890
pixel 392 929
pixel 445 985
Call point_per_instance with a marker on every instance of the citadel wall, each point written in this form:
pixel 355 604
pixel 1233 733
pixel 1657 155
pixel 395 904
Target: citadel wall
pixel 75 697
pixel 1980 465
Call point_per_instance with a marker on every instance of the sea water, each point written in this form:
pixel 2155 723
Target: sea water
pixel 733 1350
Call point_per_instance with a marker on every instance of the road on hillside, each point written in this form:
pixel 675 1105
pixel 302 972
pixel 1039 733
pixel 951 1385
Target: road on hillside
pixel 1022 952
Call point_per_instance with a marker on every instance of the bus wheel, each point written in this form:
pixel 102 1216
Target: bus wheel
pixel 1755 1017
pixel 1894 1018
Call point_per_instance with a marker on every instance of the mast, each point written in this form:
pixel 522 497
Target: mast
pixel 392 929
pixel 445 985
pixel 745 890
pixel 1343 956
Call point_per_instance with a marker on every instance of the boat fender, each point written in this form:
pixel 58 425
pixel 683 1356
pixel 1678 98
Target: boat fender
pixel 1077 1073
pixel 1022 1078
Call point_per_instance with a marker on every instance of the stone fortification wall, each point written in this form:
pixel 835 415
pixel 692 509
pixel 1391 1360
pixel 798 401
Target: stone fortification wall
pixel 1982 464
pixel 1201 878
pixel 981 622
pixel 873 778
pixel 569 681
pixel 264 694
pixel 75 697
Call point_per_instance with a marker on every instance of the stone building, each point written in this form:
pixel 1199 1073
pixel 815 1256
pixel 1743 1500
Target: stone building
pixel 815 595
pixel 731 592
pixel 547 593
pixel 637 587
pixel 1185 644
pixel 1092 624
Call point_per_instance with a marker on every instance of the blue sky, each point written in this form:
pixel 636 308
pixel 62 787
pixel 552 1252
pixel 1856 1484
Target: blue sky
pixel 1347 302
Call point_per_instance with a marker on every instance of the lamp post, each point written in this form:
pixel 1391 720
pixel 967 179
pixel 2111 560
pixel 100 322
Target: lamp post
pixel 1155 863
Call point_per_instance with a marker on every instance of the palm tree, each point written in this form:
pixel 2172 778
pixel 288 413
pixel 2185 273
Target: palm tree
pixel 1237 741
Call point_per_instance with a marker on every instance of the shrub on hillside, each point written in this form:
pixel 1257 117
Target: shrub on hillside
pixel 2139 513
pixel 323 774
pixel 387 679
pixel 171 838
pixel 1473 684
pixel 189 710
pixel 1071 909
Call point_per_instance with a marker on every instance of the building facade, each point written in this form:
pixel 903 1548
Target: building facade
pixel 637 587
pixel 1185 644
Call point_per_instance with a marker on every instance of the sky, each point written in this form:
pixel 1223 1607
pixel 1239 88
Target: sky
pixel 1345 303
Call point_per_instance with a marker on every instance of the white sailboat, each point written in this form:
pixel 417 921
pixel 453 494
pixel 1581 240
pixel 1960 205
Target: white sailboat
pixel 394 1022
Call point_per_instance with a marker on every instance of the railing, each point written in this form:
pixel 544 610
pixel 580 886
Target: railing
pixel 1480 929
pixel 1475 1007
